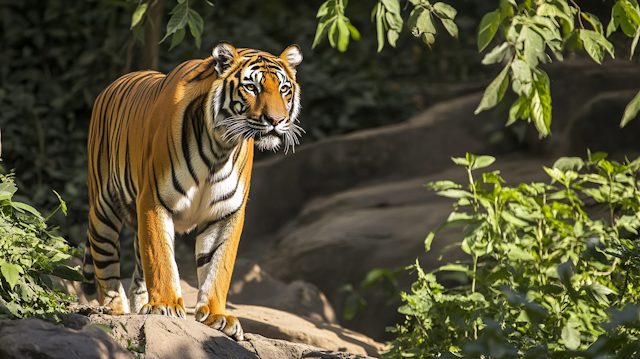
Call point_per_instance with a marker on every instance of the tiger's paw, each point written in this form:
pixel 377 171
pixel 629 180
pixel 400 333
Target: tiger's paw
pixel 228 324
pixel 175 309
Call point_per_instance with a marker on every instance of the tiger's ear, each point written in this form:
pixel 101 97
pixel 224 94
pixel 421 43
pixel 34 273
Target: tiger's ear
pixel 223 54
pixel 292 56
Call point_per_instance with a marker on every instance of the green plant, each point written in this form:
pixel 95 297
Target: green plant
pixel 543 278
pixel 29 254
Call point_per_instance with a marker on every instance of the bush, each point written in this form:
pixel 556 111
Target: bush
pixel 544 279
pixel 29 254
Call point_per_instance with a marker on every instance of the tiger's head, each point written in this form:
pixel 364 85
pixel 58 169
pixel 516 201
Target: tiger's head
pixel 256 96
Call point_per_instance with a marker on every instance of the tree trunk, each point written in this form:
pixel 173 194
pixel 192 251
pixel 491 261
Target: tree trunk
pixel 152 35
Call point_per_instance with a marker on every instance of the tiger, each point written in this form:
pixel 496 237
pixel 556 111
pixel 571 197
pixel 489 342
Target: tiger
pixel 173 153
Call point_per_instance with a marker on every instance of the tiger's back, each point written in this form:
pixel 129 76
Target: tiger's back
pixel 173 153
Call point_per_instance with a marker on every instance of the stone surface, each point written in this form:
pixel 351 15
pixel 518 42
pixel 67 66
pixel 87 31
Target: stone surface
pixel 34 339
pixel 312 322
pixel 253 286
pixel 165 337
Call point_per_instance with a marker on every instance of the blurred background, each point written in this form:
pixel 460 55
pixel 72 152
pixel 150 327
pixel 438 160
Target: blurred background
pixel 56 56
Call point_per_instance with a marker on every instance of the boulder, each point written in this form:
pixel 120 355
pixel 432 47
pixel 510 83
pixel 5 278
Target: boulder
pixel 338 239
pixel 253 286
pixel 164 337
pixel 312 321
pixel 36 339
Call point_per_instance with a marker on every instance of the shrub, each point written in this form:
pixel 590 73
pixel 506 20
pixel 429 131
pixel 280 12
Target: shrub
pixel 29 254
pixel 543 279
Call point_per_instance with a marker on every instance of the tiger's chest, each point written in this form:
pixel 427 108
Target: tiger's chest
pixel 207 197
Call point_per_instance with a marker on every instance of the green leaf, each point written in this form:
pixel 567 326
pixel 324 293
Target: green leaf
pixel 333 38
pixel 488 27
pixel 450 26
pixel 22 207
pixel 63 204
pixel 482 162
pixel 441 185
pixel 428 241
pixel 66 272
pixel 7 190
pixel 594 21
pixel 392 37
pixel 631 110
pixel 634 43
pixel 177 38
pixel 320 30
pixel 444 10
pixel 513 219
pixel 541 103
pixel 496 55
pixel 392 6
pixel 455 193
pixel 552 9
pixel 568 163
pixel 600 292
pixel 596 44
pixel 343 34
pixel 517 110
pixel 460 161
pixel 533 47
pixel 177 21
pixel 355 34
pixel 324 9
pixel 137 14
pixel 454 268
pixel 565 273
pixel 11 273
pixel 571 337
pixel 495 91
pixel 380 26
pixel 516 253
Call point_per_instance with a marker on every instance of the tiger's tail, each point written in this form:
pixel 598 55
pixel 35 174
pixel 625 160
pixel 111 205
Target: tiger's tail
pixel 88 271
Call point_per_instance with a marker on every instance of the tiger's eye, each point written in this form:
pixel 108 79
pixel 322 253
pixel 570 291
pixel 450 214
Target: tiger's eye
pixel 250 87
pixel 284 89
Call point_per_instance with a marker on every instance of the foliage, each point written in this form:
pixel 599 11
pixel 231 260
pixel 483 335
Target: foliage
pixel 527 31
pixel 544 279
pixel 29 254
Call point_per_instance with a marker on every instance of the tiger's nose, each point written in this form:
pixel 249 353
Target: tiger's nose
pixel 275 120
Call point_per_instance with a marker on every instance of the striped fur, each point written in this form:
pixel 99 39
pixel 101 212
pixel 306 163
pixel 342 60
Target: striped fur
pixel 172 154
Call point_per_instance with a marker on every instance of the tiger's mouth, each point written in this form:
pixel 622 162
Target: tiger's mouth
pixel 265 136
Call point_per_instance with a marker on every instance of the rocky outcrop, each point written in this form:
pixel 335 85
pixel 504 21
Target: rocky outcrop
pixel 165 337
pixel 36 339
pixel 297 312
pixel 148 336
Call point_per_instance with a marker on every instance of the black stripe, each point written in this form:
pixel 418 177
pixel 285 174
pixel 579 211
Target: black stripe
pixel 185 143
pixel 211 223
pixel 155 180
pixel 202 260
pixel 105 264
pixel 174 179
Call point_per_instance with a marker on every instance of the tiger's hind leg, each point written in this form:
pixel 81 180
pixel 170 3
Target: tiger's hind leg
pixel 138 294
pixel 103 237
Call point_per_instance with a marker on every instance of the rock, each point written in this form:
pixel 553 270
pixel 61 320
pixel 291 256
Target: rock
pixel 165 337
pixel 34 339
pixel 338 239
pixel 315 323
pixel 253 286
pixel 277 324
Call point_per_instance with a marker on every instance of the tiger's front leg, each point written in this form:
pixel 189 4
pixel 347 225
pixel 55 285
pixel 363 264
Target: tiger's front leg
pixel 156 236
pixel 216 248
